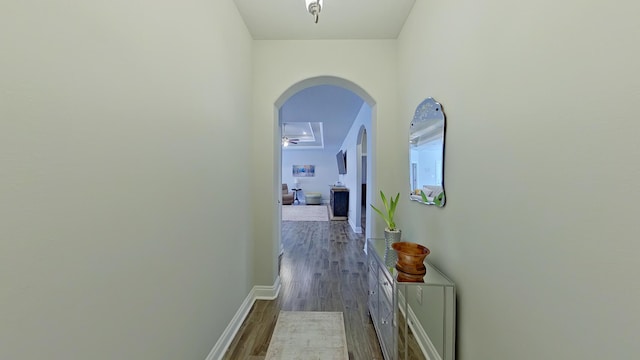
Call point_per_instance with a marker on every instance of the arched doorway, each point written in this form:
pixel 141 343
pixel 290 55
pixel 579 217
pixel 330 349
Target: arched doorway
pixel 361 160
pixel 363 166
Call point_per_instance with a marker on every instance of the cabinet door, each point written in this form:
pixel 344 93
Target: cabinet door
pixel 373 293
pixel 385 311
pixel 341 203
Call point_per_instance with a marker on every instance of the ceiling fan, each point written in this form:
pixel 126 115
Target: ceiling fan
pixel 286 140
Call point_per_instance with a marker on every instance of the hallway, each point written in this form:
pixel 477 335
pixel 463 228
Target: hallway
pixel 323 269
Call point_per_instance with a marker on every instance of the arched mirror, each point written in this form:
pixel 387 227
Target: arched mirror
pixel 426 154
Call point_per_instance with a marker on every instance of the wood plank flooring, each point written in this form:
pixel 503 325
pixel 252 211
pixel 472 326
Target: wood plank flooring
pixel 323 268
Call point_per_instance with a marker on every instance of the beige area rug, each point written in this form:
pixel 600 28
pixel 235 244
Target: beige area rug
pixel 308 335
pixel 305 213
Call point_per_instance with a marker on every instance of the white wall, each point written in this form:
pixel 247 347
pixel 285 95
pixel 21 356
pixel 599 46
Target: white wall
pixel 541 165
pixel 326 170
pixel 278 66
pixel 353 178
pixel 117 216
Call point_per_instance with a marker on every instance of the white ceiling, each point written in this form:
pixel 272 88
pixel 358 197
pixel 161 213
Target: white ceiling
pixel 339 19
pixel 335 107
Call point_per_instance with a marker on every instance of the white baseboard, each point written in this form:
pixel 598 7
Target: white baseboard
pixel 427 347
pixel 356 229
pixel 257 293
pixel 263 292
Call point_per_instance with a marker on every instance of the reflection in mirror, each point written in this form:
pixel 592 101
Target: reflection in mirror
pixel 426 154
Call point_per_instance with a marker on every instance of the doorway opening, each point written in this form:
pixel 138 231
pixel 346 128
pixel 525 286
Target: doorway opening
pixel 322 100
pixel 361 158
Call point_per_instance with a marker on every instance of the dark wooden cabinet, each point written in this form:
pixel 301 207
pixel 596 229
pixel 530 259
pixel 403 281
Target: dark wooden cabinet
pixel 339 203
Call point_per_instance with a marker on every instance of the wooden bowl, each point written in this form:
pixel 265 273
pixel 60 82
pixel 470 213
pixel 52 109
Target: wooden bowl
pixel 404 277
pixel 413 270
pixel 410 255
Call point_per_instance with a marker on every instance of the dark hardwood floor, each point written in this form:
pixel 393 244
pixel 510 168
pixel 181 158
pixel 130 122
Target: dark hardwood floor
pixel 323 268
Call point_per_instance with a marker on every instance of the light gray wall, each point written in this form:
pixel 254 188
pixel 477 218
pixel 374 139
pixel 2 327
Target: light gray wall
pixel 351 178
pixel 121 124
pixel 541 165
pixel 326 170
pixel 121 178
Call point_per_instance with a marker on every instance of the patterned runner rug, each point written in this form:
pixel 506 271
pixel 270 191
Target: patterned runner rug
pixel 308 335
pixel 305 213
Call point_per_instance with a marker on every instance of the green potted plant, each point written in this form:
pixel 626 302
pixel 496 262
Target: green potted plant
pixel 391 232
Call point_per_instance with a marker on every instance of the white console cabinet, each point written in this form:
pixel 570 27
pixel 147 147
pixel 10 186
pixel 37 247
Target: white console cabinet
pixel 381 304
pixel 429 307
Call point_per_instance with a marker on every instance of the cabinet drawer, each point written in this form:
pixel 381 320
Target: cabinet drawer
pixel 373 284
pixel 386 285
pixel 373 262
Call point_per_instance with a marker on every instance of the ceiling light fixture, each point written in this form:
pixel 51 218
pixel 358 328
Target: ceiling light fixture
pixel 285 139
pixel 314 7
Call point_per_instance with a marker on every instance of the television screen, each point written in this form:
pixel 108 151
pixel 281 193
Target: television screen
pixel 341 158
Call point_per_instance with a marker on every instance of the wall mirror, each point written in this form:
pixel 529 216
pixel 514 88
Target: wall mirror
pixel 426 154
